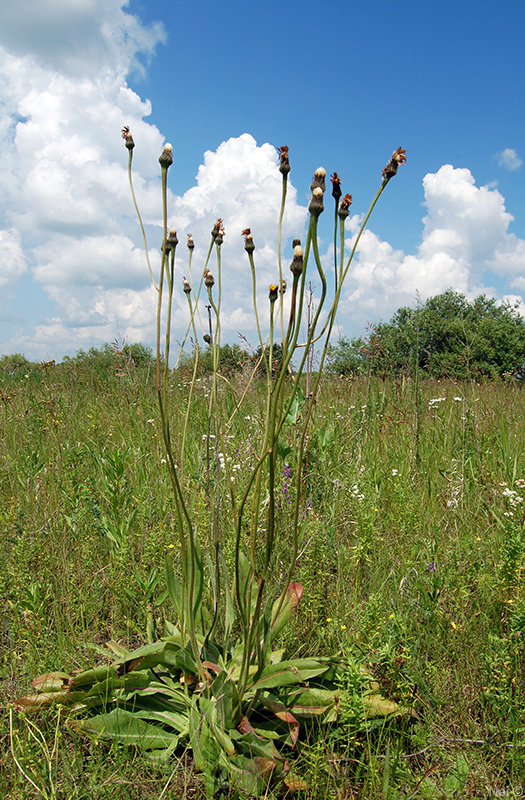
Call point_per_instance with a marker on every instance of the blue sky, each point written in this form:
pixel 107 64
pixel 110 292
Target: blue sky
pixel 341 84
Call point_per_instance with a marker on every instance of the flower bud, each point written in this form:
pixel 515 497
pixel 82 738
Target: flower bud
pixel 216 228
pixel 207 338
pixel 248 240
pixel 316 206
pixel 128 138
pixel 190 244
pixel 344 205
pixel 209 280
pixel 284 163
pixel 398 158
pixel 283 286
pixel 273 292
pixel 297 264
pixel 186 288
pixel 166 157
pixel 336 186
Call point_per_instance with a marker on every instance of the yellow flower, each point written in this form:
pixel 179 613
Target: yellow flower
pixel 343 627
pixel 329 619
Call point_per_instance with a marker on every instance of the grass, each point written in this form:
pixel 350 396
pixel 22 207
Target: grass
pixel 412 557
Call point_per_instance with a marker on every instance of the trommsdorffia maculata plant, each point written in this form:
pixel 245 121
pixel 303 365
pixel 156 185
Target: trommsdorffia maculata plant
pixel 216 672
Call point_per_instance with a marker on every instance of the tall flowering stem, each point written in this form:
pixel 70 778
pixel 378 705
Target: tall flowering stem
pixel 237 597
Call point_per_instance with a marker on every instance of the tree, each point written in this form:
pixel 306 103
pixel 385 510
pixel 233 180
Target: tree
pixel 448 336
pixel 347 357
pixel 231 357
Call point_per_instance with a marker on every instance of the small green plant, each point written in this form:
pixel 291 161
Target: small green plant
pixel 121 510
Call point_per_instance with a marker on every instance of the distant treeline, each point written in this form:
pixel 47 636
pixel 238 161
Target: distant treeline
pixel 446 337
pixel 127 359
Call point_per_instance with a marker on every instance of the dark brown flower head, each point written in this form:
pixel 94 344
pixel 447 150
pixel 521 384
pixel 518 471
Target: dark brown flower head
pixel 186 288
pixel 284 162
pixel 209 280
pixel 318 179
pixel 398 158
pixel 190 244
pixel 248 240
pixel 166 157
pixel 297 264
pixel 128 138
pixel 207 338
pixel 344 205
pixel 295 243
pixel 316 206
pixel 273 292
pixel 336 186
pixel 216 228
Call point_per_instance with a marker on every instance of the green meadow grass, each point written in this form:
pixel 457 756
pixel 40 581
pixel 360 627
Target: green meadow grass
pixel 412 557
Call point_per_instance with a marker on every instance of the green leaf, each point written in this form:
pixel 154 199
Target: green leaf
pixel 179 722
pixel 287 673
pixel 92 676
pixel 283 608
pixel 316 703
pixel 125 727
pixel 174 587
pixel 226 696
pixel 295 407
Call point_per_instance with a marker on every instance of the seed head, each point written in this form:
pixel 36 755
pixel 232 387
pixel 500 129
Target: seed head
pixel 316 206
pixel 283 286
pixel 166 157
pixel 209 280
pixel 297 264
pixel 172 240
pixel 284 162
pixel 398 158
pixel 190 244
pixel 220 236
pixel 128 138
pixel 186 288
pixel 319 179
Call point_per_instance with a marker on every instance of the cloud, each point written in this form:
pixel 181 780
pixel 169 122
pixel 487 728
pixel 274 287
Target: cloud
pixel 465 236
pixel 12 260
pixel 77 37
pixel 67 221
pixel 65 210
pixel 509 159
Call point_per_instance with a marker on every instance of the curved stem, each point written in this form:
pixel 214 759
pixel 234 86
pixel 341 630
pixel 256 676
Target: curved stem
pixel 130 159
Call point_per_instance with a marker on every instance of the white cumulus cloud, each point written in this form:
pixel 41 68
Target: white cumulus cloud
pixel 465 235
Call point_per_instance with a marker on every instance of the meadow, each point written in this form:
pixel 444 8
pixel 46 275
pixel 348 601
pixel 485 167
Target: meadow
pixel 411 558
